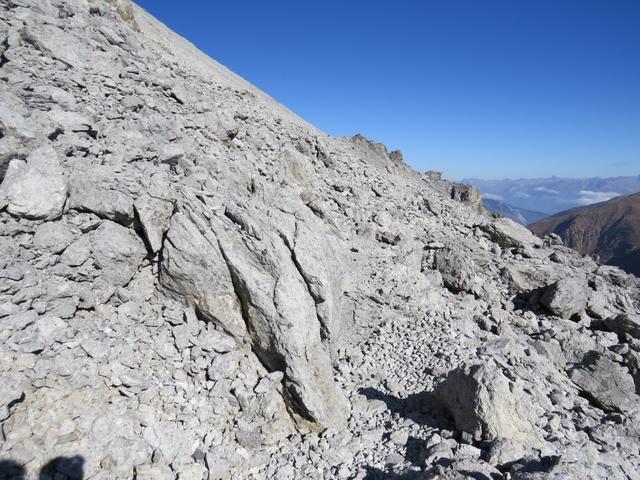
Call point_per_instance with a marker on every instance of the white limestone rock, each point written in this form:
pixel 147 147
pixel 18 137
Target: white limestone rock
pixel 35 189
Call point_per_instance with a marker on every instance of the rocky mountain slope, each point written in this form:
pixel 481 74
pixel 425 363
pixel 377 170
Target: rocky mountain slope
pixel 197 284
pixel 609 230
pixel 517 214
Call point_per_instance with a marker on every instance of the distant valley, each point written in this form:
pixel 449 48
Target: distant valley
pixel 520 215
pixel 610 230
pixel 554 194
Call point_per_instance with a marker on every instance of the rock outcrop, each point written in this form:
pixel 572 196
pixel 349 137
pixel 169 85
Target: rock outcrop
pixel 197 284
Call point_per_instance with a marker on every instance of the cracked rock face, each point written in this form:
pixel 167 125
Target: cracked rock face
pixel 197 284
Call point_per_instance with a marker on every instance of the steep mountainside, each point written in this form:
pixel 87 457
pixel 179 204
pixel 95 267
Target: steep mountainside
pixel 520 215
pixel 610 230
pixel 197 284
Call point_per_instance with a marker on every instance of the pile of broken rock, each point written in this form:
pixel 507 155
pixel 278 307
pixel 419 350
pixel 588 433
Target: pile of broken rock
pixel 197 284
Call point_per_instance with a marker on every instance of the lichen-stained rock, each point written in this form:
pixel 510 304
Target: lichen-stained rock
pixel 35 189
pixel 117 252
pixel 606 383
pixel 566 297
pixel 281 318
pixel 486 405
pixel 193 268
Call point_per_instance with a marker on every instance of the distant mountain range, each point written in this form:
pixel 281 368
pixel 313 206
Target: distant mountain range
pixel 554 194
pixel 610 230
pixel 520 215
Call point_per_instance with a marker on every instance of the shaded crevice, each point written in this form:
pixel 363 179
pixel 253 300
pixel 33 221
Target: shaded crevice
pixel 55 134
pixel 3 58
pixel 16 401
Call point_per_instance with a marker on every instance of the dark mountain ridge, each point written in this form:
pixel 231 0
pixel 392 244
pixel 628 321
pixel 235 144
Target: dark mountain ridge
pixel 610 230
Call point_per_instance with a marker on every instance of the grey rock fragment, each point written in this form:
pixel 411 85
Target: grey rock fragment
pixel 154 472
pixel 10 395
pixel 20 321
pixel 484 404
pixel 8 308
pixel 566 297
pixel 35 189
pixel 282 319
pixel 53 237
pixel 94 190
pixel 78 252
pixel 505 450
pixel 193 268
pixel 456 268
pixel 154 215
pixel 509 234
pixel 118 252
pixel 609 385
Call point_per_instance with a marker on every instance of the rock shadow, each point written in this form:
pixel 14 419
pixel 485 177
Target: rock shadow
pixel 71 468
pixel 422 408
pixel 529 300
pixel 372 473
pixel 10 470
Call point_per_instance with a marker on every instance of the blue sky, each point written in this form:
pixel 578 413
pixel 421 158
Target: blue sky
pixel 487 89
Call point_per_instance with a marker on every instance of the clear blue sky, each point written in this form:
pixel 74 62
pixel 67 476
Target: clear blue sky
pixel 488 88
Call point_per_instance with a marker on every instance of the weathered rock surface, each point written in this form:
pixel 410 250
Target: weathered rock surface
pixel 457 270
pixel 35 189
pixel 484 404
pixel 606 382
pixel 566 297
pixel 196 283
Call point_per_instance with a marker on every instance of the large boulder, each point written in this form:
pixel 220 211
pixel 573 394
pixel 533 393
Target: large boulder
pixel 193 268
pixel 606 383
pixel 99 191
pixel 35 189
pixel 509 234
pixel 566 297
pixel 484 403
pixel 456 268
pixel 117 252
pixel 281 315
